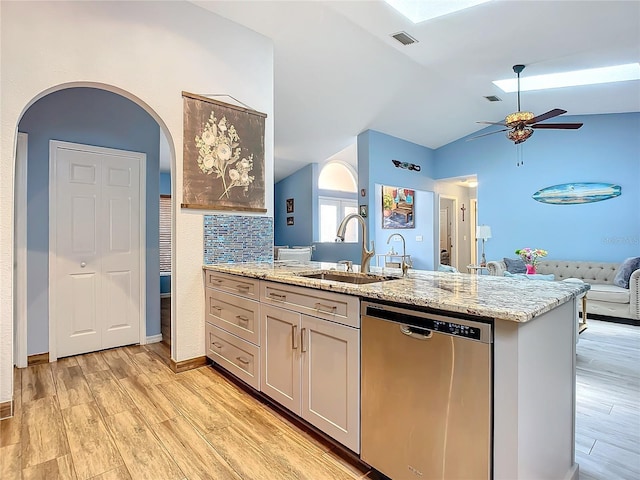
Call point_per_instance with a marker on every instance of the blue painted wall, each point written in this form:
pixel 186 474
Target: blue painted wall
pixel 165 183
pixel 93 117
pixel 375 168
pixel 300 187
pixel 605 149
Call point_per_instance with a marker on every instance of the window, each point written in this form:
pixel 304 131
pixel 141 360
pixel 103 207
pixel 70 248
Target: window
pixel 337 176
pixel 165 233
pixel 332 211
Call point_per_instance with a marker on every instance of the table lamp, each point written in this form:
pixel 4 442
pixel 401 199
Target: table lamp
pixel 483 232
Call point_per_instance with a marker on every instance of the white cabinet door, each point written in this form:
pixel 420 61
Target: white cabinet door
pixel 280 351
pixel 331 379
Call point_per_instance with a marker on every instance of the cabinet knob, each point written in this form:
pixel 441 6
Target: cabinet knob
pixel 83 264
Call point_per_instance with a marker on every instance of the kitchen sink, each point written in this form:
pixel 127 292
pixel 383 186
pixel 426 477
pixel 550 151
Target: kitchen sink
pixel 348 277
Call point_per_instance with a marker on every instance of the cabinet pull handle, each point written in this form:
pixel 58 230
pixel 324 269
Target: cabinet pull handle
pixel 294 337
pixel 216 307
pixel 243 360
pixel 302 335
pixel 217 344
pixel 242 318
pixel 277 296
pixel 216 280
pixel 322 307
pixel 242 287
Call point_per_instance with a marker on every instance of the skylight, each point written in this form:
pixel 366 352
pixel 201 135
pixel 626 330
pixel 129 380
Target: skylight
pixel 592 76
pixel 420 10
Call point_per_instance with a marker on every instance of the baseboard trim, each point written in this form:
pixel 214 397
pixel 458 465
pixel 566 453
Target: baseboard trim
pixel 605 318
pixel 154 338
pixel 184 365
pixel 6 409
pixel 38 359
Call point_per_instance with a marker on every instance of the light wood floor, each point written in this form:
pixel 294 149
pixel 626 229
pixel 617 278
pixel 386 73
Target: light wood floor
pixel 608 402
pixel 123 414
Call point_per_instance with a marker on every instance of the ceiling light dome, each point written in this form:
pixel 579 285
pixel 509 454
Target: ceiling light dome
pixel 517 118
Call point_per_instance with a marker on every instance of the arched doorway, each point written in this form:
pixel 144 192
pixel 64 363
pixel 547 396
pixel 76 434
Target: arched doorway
pixel 91 114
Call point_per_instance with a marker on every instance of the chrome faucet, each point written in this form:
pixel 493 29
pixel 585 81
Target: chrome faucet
pixel 366 254
pixel 404 264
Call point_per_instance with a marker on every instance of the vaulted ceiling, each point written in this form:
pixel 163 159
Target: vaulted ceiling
pixel 338 72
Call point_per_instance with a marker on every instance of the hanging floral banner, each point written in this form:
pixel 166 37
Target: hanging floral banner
pixel 223 157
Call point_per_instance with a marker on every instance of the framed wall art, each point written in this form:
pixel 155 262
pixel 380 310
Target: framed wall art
pixel 398 207
pixel 289 205
pixel 223 156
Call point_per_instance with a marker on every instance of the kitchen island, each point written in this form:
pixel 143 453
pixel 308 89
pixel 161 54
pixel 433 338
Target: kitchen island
pixel 533 357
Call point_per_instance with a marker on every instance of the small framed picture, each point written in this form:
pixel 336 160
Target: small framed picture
pixel 363 211
pixel 289 207
pixel 289 220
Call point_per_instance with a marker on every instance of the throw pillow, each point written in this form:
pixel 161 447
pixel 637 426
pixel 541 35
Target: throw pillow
pixel 515 265
pixel 536 276
pixel 447 268
pixel 625 270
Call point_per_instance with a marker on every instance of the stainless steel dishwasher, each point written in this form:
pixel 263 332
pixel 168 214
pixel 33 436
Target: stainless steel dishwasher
pixel 426 394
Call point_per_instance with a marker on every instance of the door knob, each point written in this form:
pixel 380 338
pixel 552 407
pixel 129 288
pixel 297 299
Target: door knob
pixel 83 264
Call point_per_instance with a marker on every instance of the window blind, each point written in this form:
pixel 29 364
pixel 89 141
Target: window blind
pixel 165 233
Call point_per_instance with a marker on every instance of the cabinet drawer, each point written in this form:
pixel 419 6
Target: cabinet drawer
pixel 247 287
pixel 319 303
pixel 234 354
pixel 236 315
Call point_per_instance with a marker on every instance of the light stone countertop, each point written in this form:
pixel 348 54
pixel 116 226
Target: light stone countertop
pixel 517 300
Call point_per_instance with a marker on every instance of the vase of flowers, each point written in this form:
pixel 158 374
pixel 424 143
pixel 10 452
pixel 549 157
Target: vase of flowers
pixel 530 257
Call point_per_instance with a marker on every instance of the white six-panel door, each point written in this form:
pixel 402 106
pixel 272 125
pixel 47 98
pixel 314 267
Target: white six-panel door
pixel 96 278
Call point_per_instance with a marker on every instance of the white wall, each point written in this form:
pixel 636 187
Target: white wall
pixel 149 52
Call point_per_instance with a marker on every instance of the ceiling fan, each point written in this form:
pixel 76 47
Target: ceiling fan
pixel 520 124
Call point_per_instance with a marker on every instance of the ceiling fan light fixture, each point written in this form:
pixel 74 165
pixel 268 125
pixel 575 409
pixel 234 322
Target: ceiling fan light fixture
pixel 519 135
pixel 517 118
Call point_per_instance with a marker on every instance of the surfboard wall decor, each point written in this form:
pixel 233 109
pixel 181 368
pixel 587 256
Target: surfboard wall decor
pixel 572 193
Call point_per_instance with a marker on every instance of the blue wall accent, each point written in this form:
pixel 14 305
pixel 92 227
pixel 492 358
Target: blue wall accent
pixel 92 117
pixel 165 183
pixel 299 186
pixel 375 152
pixel 237 238
pixel 605 149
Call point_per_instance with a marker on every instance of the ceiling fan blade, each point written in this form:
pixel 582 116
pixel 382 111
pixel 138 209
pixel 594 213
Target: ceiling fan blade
pixel 494 123
pixel 563 126
pixel 550 114
pixel 490 133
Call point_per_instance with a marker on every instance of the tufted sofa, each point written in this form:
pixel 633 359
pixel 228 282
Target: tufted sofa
pixel 604 298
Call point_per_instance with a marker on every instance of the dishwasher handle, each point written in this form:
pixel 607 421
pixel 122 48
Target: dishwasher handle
pixel 416 333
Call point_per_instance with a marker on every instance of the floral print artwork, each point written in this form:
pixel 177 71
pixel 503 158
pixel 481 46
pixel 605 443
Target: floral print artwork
pixel 223 156
pixel 219 154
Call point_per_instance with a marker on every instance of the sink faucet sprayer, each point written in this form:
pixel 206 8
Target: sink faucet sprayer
pixel 366 254
pixel 404 264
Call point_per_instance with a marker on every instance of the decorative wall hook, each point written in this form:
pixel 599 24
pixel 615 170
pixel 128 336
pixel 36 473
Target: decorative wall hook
pixel 408 166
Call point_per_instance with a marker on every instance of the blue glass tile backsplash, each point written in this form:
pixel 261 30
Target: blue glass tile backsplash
pixel 237 238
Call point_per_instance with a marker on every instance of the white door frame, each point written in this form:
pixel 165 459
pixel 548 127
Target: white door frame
pixel 20 253
pixel 53 145
pixel 473 216
pixel 454 228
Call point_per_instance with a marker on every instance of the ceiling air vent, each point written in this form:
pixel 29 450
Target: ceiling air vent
pixel 493 98
pixel 404 38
